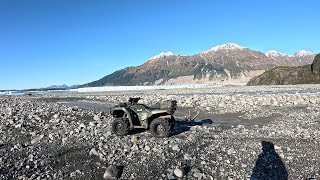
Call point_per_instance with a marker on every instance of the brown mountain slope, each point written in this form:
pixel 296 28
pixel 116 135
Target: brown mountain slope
pixel 222 63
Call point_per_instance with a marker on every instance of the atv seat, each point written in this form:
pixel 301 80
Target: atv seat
pixel 148 108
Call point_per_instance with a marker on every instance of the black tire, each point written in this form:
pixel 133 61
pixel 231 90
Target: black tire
pixel 160 128
pixel 120 127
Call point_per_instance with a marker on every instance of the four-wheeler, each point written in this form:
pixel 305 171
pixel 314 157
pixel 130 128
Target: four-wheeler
pixel 131 115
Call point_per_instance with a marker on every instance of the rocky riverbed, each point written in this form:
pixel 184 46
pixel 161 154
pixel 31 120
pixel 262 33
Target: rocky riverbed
pixel 257 133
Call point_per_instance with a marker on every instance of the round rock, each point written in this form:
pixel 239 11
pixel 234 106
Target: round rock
pixel 178 172
pixel 112 172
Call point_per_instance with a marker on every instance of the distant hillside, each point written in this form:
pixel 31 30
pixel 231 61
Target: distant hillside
pixel 308 74
pixel 224 63
pixel 64 86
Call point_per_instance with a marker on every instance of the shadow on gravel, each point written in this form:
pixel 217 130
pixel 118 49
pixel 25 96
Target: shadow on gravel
pixel 183 126
pixel 269 165
pixel 180 127
pixel 71 159
pixel 136 131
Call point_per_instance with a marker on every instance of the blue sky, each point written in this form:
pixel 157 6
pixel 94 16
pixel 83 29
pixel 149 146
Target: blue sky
pixel 46 42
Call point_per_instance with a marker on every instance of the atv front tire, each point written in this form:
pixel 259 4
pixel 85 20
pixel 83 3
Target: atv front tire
pixel 160 128
pixel 120 127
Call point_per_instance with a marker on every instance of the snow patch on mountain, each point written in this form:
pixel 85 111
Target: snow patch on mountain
pixel 303 53
pixel 163 54
pixel 273 53
pixel 228 46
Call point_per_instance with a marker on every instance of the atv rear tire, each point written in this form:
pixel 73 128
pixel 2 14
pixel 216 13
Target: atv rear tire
pixel 160 128
pixel 120 127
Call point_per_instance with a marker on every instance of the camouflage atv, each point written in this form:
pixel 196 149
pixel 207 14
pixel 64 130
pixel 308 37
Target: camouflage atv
pixel 131 115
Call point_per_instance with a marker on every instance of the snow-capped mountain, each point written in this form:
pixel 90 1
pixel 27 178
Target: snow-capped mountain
pixel 274 54
pixel 226 62
pixel 303 53
pixel 163 54
pixel 228 46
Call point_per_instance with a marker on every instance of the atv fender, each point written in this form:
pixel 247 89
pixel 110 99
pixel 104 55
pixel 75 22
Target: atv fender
pixel 119 112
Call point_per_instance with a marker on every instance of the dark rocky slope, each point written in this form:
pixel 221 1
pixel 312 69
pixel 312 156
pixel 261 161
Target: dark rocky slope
pixel 282 75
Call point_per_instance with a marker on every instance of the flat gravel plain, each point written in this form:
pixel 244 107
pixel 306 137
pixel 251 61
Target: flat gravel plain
pixel 268 132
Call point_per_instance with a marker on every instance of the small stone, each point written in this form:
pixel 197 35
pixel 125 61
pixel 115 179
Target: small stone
pixel 219 158
pixel 191 137
pixel 135 147
pixel 187 156
pixel 231 151
pixel 45 162
pixel 281 155
pixel 96 117
pixel 93 151
pixel 92 124
pixel 73 108
pixel 170 176
pixel 112 172
pixel 37 139
pixel 108 133
pixel 240 126
pixel 198 175
pixel 178 172
pixel 176 147
pixel 18 126
pixel 56 116
pixel 147 148
pixel 51 137
pixel 64 140
pixel 277 147
pixel 82 126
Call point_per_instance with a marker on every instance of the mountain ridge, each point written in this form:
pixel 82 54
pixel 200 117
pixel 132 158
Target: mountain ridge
pixel 222 63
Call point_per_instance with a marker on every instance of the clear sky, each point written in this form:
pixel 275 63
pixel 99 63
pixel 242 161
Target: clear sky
pixel 46 42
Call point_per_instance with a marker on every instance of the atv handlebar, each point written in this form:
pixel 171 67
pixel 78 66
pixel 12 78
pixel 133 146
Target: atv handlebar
pixel 133 101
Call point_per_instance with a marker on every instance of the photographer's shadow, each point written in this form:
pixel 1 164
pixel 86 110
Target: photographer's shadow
pixel 269 164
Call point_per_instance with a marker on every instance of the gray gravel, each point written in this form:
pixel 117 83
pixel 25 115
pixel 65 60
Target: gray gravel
pixel 271 136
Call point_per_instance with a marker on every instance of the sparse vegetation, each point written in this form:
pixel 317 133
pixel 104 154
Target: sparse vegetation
pixel 281 75
pixel 315 66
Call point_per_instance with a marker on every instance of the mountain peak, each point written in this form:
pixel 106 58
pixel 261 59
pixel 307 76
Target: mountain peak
pixel 228 46
pixel 303 53
pixel 163 54
pixel 273 53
